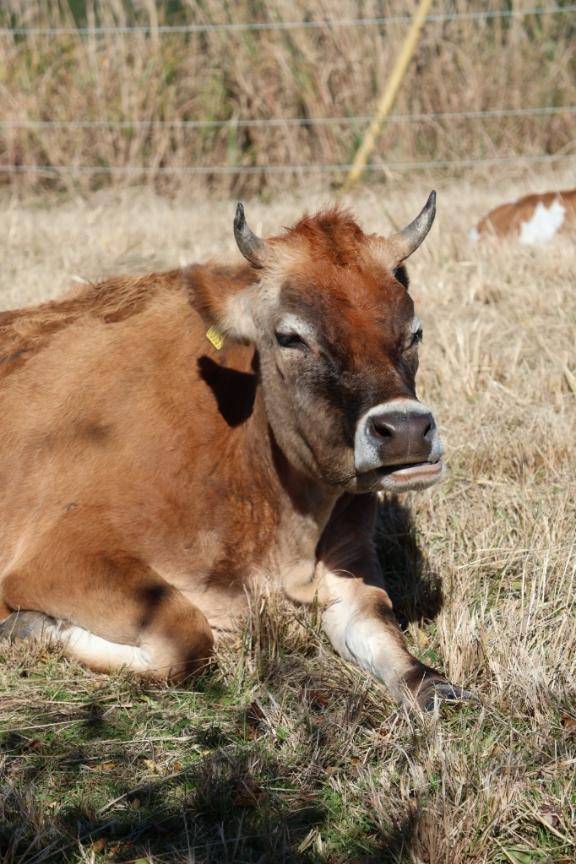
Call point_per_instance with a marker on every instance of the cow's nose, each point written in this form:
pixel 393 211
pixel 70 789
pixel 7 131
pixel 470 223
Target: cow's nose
pixel 402 432
pixel 399 434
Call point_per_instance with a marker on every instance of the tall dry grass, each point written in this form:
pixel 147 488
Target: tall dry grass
pixel 304 73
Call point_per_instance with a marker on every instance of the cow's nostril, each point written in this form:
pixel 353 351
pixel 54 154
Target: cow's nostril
pixel 380 429
pixel 429 430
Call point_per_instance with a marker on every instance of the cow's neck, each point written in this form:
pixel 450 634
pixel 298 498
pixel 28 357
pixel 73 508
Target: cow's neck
pixel 301 504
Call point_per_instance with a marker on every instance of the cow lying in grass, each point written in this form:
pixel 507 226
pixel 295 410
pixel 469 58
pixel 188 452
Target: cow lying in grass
pixel 532 219
pixel 171 444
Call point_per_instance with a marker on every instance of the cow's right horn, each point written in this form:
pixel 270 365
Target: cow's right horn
pixel 405 242
pixel 253 248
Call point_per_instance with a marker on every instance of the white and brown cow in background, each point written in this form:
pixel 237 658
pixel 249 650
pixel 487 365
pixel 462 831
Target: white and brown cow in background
pixel 531 219
pixel 152 479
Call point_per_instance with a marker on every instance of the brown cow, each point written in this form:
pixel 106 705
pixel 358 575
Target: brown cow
pixel 150 482
pixel 531 219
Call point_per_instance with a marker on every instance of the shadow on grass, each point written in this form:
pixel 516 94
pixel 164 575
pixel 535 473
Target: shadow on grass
pixel 238 804
pixel 415 590
pixel 220 810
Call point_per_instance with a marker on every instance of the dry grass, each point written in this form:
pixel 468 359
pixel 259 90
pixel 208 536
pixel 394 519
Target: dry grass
pixel 310 73
pixel 285 753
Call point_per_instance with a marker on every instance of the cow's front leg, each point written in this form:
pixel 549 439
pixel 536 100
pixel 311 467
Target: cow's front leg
pixel 362 627
pixel 358 615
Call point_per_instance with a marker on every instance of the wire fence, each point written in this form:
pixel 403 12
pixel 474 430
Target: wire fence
pixel 256 26
pixel 13 164
pixel 493 113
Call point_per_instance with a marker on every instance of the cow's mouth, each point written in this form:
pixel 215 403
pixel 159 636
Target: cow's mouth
pixel 414 475
pixel 409 469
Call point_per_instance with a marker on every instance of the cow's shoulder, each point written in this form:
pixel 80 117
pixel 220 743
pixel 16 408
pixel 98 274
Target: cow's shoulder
pixel 27 332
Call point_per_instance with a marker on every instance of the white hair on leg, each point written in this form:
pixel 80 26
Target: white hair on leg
pixel 372 642
pixel 101 654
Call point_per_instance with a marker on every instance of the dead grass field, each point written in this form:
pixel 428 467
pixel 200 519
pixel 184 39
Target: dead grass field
pixel 133 80
pixel 285 753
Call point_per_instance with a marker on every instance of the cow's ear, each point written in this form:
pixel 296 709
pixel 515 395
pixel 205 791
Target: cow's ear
pixel 224 297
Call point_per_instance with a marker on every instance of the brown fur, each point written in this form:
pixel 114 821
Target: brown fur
pixel 150 483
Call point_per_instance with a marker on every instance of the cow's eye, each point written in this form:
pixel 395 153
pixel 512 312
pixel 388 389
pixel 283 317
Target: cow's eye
pixel 415 338
pixel 290 340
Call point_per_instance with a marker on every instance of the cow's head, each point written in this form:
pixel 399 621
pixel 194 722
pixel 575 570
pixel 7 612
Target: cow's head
pixel 328 310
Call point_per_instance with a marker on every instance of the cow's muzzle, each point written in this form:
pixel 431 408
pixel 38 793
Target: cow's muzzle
pixel 397 446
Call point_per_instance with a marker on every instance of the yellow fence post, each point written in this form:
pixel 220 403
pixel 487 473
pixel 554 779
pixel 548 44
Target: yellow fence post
pixel 388 96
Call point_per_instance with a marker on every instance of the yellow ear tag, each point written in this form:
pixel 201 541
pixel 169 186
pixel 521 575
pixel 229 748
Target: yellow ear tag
pixel 215 337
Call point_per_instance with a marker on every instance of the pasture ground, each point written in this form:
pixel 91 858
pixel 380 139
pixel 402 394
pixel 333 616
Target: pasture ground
pixel 285 753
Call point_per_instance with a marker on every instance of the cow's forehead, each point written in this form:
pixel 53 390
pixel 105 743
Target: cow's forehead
pixel 325 270
pixel 333 295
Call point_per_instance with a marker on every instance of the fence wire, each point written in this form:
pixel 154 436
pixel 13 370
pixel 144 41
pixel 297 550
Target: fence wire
pixel 546 111
pixel 239 27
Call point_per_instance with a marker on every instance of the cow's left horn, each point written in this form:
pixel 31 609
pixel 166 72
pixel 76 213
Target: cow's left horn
pixel 405 242
pixel 252 247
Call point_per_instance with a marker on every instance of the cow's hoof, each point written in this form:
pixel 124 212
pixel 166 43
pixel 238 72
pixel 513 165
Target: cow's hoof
pixel 25 625
pixel 438 692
